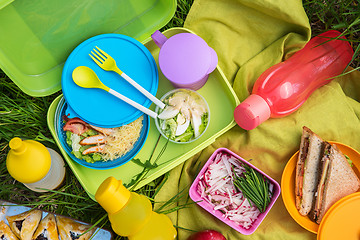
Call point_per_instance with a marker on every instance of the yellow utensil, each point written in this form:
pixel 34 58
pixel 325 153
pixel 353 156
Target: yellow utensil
pixel 85 77
pixel 106 62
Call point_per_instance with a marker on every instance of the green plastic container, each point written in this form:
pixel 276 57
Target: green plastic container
pixel 222 101
pixel 37 36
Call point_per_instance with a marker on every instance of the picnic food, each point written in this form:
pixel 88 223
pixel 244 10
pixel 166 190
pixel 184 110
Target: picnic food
pixel 47 229
pixel 131 214
pixel 92 143
pixel 185 116
pixel 254 187
pixel 6 233
pixel 30 225
pixel 284 87
pixel 24 224
pixel 70 229
pixel 207 235
pixel 216 186
pixel 323 176
pixel 336 180
pixel 306 177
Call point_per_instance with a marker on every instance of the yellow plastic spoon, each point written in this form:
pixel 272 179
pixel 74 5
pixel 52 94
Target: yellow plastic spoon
pixel 85 77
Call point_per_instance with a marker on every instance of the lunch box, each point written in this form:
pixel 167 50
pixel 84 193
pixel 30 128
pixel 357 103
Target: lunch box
pixel 33 57
pixel 196 196
pixel 222 120
pixel 35 40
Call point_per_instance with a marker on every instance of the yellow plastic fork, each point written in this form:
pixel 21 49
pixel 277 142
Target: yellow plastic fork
pixel 106 62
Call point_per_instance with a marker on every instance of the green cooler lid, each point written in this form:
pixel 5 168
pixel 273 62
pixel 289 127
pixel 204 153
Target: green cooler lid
pixel 36 37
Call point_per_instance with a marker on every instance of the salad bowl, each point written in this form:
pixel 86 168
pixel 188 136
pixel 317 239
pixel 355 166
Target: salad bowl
pixel 64 110
pixel 185 118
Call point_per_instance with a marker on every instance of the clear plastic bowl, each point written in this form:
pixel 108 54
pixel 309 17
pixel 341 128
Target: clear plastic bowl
pixel 166 96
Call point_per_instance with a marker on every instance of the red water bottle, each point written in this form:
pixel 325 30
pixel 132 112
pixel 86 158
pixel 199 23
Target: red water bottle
pixel 284 87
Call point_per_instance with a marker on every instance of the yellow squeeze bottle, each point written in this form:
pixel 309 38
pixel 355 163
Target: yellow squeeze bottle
pixel 39 168
pixel 131 214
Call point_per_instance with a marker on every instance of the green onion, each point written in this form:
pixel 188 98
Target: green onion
pixel 254 186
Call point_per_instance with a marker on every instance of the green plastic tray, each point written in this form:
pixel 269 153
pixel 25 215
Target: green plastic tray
pixel 37 36
pixel 222 102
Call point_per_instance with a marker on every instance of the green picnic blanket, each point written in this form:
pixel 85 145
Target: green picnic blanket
pixel 249 36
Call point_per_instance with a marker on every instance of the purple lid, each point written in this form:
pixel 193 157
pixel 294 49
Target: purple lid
pixel 185 58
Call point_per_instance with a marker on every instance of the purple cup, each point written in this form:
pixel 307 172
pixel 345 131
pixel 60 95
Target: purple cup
pixel 185 59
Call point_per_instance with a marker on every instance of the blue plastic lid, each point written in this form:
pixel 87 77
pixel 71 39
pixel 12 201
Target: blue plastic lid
pixel 97 106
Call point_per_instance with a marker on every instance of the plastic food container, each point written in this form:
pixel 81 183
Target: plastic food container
pixel 341 220
pixel 196 197
pixel 222 120
pixel 101 108
pixel 197 97
pixel 37 37
pixel 39 74
pixel 63 109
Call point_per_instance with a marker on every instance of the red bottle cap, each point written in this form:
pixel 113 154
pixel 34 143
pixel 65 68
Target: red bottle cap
pixel 252 112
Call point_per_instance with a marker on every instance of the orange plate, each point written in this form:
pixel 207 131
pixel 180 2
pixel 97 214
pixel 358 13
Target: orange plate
pixel 288 185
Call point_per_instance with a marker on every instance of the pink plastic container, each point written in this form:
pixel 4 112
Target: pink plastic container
pixel 284 87
pixel 196 197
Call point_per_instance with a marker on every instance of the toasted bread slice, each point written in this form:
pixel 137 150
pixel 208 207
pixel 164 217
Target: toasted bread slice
pixel 307 167
pixel 340 180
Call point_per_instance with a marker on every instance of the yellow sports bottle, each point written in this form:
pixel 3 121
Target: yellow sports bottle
pixel 131 214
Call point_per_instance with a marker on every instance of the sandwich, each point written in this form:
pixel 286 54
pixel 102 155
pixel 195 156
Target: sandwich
pixel 306 175
pixel 336 180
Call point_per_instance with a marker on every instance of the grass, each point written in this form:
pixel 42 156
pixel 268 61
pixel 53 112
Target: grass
pixel 23 116
pixel 341 15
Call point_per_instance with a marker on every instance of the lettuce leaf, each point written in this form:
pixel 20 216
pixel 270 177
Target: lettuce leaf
pixel 90 158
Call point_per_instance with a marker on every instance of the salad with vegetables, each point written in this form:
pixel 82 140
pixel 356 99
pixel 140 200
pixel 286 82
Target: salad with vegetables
pixel 235 189
pixel 73 140
pixel 92 144
pixel 185 116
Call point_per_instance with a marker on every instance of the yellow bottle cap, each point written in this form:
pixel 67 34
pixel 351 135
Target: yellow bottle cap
pixel 27 161
pixel 112 195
